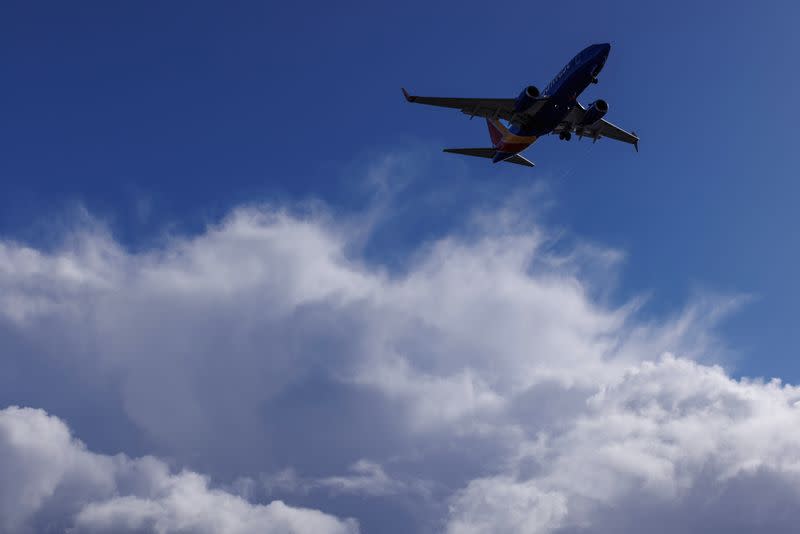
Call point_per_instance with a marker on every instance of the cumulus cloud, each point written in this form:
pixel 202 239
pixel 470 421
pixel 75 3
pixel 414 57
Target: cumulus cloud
pixel 672 440
pixel 51 482
pixel 484 384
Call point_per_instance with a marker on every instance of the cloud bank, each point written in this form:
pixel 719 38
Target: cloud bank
pixel 481 386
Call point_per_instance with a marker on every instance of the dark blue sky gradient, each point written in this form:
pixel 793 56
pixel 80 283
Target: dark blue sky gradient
pixel 165 115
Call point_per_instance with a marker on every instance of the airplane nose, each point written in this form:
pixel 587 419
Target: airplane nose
pixel 601 52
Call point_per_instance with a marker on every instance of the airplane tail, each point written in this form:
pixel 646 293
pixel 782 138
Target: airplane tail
pixel 499 150
pixel 496 131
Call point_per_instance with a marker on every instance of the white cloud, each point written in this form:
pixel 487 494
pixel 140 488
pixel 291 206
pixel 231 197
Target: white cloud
pixel 264 298
pixel 672 439
pixel 502 504
pixel 482 376
pixel 50 480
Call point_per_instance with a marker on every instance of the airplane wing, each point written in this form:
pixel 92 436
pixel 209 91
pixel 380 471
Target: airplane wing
pixel 606 129
pixel 502 108
pixel 596 130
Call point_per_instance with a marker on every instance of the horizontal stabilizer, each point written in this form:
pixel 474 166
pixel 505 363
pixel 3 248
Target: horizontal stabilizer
pixel 478 152
pixel 489 154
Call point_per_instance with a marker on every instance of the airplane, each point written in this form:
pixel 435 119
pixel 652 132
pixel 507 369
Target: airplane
pixel 532 114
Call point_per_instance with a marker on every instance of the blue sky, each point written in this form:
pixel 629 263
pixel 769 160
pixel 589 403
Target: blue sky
pixel 161 118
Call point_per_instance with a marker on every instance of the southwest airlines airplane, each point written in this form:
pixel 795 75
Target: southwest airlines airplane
pixel 533 113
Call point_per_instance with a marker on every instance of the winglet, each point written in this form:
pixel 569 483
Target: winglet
pixel 409 98
pixel 636 143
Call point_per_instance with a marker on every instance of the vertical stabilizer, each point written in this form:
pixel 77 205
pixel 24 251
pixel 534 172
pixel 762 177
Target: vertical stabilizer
pixel 496 131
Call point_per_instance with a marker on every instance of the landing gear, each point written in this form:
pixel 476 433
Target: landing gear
pixel 595 80
pixel 565 136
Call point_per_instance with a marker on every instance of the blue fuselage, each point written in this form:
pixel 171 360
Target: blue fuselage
pixel 563 91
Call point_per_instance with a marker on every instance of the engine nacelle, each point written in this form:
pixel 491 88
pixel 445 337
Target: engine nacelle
pixel 526 98
pixel 596 111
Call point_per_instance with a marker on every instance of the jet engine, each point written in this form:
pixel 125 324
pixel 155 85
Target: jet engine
pixel 596 111
pixel 526 98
